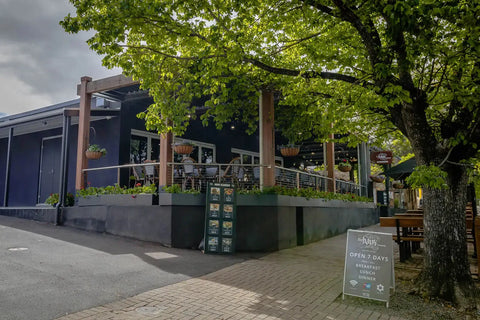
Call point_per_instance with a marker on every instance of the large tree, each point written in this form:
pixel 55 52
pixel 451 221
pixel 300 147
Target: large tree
pixel 363 65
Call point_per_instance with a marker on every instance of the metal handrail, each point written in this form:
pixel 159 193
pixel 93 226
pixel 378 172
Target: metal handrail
pixel 293 179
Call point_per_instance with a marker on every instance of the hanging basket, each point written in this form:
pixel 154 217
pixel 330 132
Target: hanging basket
pixel 378 179
pixel 93 155
pixel 289 151
pixel 398 185
pixel 183 148
pixel 345 168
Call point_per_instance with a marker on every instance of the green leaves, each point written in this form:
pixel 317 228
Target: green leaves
pixel 430 176
pixel 368 68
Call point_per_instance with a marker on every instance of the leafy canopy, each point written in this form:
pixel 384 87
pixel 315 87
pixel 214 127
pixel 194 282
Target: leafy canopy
pixel 368 67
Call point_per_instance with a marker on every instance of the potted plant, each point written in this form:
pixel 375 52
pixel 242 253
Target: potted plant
pixel 289 150
pixel 183 147
pixel 344 165
pixel 94 152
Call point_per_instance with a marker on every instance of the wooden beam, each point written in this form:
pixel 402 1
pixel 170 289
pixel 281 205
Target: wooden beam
pixel 106 84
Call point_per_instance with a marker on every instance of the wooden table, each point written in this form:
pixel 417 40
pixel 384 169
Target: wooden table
pixel 409 228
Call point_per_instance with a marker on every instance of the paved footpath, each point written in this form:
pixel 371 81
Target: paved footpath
pixel 299 283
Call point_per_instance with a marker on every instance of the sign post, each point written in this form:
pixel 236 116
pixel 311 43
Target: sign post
pixel 369 267
pixel 220 218
pixel 383 158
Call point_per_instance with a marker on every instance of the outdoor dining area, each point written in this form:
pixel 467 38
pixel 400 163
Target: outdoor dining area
pixel 410 233
pixel 190 175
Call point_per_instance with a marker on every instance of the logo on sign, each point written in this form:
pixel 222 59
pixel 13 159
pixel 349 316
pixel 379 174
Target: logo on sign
pixel 381 157
pixel 369 241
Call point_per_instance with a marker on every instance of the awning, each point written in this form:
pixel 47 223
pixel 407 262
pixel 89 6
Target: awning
pixel 402 170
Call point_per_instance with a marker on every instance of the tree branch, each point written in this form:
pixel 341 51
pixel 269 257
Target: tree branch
pixel 295 42
pixel 307 74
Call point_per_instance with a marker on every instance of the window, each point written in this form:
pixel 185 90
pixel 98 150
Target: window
pixel 250 157
pixel 144 146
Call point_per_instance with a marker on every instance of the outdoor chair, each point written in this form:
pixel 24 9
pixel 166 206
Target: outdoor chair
pixel 189 172
pixel 234 173
pixel 211 174
pixel 139 175
pixel 149 173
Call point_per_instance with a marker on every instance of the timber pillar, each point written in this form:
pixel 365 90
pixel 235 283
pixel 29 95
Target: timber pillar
pixel 331 164
pixel 267 139
pixel 83 132
pixel 166 156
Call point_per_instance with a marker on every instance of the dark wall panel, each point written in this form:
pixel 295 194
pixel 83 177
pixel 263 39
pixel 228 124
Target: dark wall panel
pixel 105 133
pixel 25 167
pixel 3 164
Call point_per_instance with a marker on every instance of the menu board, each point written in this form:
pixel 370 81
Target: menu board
pixel 220 218
pixel 369 269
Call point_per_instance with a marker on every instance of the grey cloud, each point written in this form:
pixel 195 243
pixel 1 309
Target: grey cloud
pixel 39 53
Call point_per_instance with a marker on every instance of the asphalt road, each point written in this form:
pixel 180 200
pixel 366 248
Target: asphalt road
pixel 48 271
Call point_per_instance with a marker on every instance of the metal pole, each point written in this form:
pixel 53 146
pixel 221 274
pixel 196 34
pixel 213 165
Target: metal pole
pixel 7 167
pixel 63 168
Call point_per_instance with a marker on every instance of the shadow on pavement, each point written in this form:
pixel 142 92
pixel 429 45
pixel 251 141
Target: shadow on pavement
pixel 189 262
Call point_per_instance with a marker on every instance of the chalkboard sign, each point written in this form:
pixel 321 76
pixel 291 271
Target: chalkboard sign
pixel 369 267
pixel 220 218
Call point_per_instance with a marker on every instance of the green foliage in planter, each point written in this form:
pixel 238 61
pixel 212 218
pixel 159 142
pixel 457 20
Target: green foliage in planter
pixel 116 189
pixel 175 188
pixel 54 197
pixel 308 193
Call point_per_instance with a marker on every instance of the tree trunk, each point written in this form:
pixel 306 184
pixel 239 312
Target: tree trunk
pixel 446 273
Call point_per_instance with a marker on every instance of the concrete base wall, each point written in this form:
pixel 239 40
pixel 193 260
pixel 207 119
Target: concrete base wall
pixel 147 223
pixel 44 214
pixel 264 223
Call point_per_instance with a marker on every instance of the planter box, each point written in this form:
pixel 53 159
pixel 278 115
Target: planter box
pixel 117 200
pixel 181 199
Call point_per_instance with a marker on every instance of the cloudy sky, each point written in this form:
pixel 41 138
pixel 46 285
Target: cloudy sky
pixel 41 64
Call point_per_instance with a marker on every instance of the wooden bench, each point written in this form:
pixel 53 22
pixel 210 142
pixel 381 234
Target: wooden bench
pixel 409 229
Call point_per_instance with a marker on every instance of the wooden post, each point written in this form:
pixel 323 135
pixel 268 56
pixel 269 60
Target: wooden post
pixel 166 156
pixel 477 236
pixel 267 140
pixel 331 164
pixel 83 132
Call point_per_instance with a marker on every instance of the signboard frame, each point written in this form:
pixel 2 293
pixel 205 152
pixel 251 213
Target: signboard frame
pixel 220 218
pixel 381 157
pixel 369 266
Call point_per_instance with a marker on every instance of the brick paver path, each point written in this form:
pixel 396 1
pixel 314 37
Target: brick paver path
pixel 298 283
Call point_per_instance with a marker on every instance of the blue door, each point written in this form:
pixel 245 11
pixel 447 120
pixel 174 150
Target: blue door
pixel 49 168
